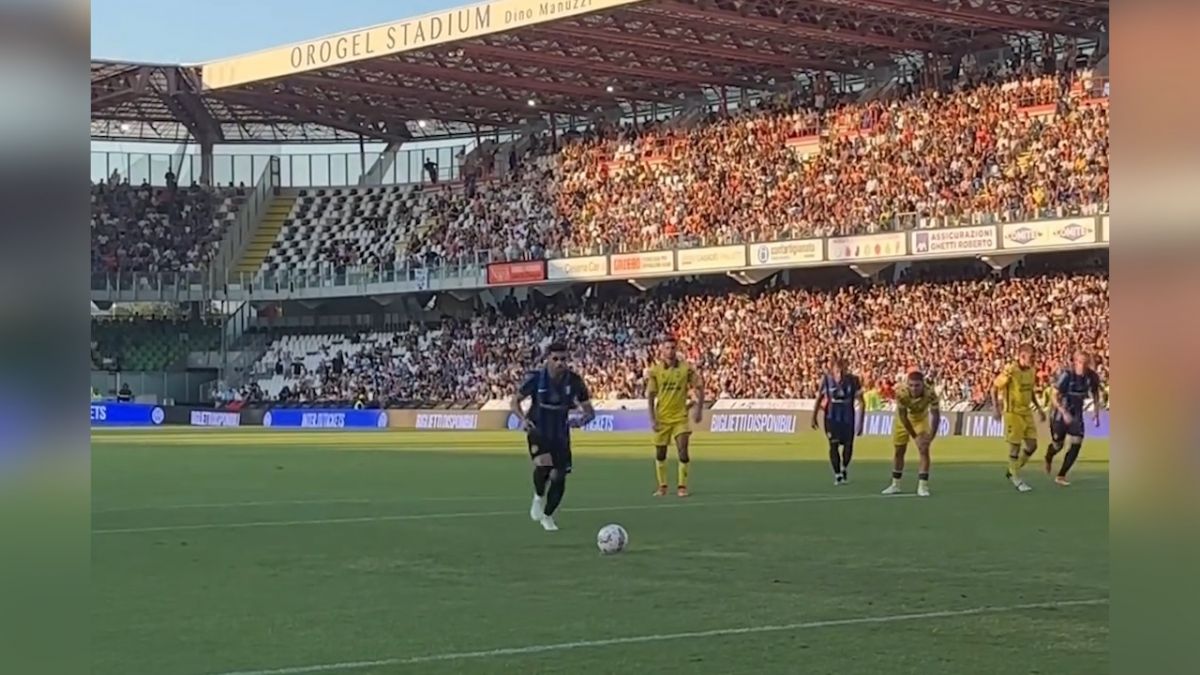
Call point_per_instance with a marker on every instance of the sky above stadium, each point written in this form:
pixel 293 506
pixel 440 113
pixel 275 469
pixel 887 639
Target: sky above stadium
pixel 158 32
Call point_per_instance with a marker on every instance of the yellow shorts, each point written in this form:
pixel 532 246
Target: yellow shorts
pixel 668 432
pixel 900 434
pixel 1019 427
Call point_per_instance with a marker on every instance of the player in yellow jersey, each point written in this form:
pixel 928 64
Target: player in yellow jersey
pixel 918 416
pixel 668 380
pixel 1015 404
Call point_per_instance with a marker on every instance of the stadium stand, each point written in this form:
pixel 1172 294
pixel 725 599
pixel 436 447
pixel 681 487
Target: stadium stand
pixel 144 228
pixel 149 344
pixel 1021 148
pixel 958 322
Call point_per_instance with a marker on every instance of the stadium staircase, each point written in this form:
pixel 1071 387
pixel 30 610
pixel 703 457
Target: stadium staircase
pixel 269 227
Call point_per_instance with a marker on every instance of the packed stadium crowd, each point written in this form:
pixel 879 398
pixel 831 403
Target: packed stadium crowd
pixel 144 228
pixel 993 149
pixel 750 343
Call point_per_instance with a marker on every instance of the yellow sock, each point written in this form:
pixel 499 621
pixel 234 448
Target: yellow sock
pixel 683 473
pixel 660 472
pixel 1023 461
pixel 1014 466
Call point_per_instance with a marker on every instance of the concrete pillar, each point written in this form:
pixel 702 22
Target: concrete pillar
pixel 206 162
pixel 383 164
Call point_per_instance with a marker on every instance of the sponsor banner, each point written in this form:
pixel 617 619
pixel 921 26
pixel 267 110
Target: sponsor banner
pixel 753 422
pixel 1050 233
pixel 523 272
pixel 794 252
pixel 418 32
pixel 591 267
pixel 985 425
pixel 882 423
pixel 1104 229
pixel 714 258
pixel 765 404
pixel 867 247
pixel 620 420
pixel 447 421
pixel 112 414
pixel 215 418
pixel 421 278
pixel 625 265
pixel 620 404
pixel 952 240
pixel 305 418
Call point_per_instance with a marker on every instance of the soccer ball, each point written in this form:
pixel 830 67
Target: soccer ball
pixel 612 539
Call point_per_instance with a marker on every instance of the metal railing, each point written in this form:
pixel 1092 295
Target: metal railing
pixel 473 267
pixel 337 169
pixel 249 215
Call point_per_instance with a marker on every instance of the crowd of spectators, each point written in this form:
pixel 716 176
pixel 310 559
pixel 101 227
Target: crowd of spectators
pixel 959 326
pixel 145 228
pixel 993 147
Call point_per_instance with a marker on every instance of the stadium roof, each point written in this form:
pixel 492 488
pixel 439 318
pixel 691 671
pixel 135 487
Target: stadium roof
pixel 497 64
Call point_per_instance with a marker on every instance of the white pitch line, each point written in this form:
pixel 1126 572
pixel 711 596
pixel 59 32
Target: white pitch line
pixel 664 637
pixel 229 505
pixel 482 514
pixel 296 502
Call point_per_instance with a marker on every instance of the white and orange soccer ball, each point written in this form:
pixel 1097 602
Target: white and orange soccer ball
pixel 612 539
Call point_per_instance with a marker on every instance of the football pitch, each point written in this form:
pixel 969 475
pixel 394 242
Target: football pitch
pixel 377 553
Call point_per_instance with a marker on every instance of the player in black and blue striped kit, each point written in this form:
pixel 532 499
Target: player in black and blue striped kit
pixel 553 392
pixel 838 394
pixel 1071 389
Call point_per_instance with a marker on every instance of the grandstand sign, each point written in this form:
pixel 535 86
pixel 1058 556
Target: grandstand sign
pixel 627 265
pixel 794 252
pixel 1064 233
pixel 427 30
pixel 867 247
pixel 524 272
pixel 1104 229
pixel 954 240
pixel 717 258
pixel 590 267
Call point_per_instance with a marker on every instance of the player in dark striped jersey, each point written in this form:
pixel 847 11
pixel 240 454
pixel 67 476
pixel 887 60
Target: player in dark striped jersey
pixel 838 394
pixel 1071 389
pixel 553 391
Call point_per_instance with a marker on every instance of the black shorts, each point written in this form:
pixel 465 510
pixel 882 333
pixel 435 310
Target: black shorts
pixel 558 449
pixel 841 433
pixel 1059 429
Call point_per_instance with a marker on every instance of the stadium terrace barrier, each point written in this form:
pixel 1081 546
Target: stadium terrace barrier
pixel 734 416
pixel 1059 234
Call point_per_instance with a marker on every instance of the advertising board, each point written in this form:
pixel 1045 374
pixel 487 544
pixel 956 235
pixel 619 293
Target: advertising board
pixel 627 265
pixel 867 247
pixel 794 252
pixel 112 414
pixel 717 258
pixel 305 418
pixel 954 240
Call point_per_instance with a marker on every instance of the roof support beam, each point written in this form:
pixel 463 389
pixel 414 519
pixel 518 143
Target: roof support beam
pixel 836 36
pixel 586 65
pixel 752 57
pixel 190 109
pixel 346 121
pixel 962 15
pixel 523 85
pixel 517 108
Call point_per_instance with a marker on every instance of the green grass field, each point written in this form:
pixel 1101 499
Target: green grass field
pixel 265 552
